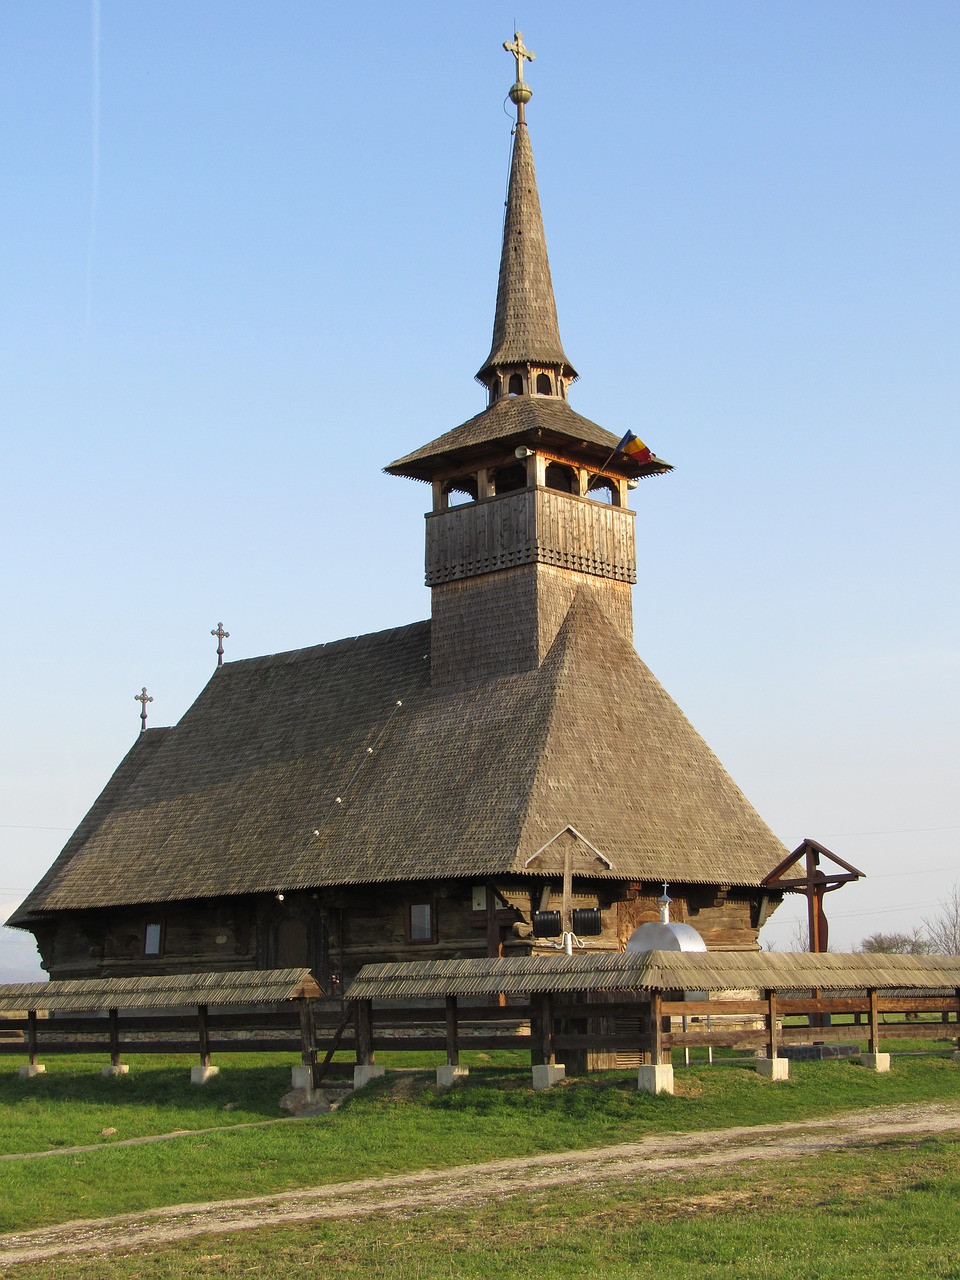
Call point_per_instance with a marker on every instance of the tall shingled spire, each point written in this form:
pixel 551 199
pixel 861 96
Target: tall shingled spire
pixel 526 336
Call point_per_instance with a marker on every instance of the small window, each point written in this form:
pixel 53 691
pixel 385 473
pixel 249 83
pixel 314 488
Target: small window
pixel 153 939
pixel 422 922
pixel 515 386
pixel 494 390
pixel 543 385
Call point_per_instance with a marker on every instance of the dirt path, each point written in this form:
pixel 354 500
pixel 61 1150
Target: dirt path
pixel 671 1154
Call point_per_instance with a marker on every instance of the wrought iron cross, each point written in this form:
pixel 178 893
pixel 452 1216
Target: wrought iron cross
pixel 221 636
pixel 143 698
pixel 520 52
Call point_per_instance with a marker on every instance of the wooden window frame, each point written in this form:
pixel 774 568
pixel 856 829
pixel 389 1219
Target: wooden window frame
pixel 161 925
pixel 431 904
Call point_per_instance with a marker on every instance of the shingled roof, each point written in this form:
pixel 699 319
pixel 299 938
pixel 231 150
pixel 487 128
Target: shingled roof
pixel 654 971
pixel 533 420
pixel 525 327
pixel 340 764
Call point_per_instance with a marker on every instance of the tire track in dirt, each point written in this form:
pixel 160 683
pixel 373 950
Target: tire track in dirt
pixel 675 1155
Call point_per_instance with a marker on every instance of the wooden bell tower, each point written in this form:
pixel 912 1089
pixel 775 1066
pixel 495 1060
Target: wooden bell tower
pixel 529 498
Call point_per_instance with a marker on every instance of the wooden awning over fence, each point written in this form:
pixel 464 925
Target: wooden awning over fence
pixel 654 971
pixel 173 991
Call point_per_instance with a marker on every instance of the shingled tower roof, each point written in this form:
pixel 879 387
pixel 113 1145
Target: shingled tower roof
pixel 525 328
pixel 527 372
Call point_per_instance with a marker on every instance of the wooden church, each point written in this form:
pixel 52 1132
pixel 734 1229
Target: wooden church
pixel 465 786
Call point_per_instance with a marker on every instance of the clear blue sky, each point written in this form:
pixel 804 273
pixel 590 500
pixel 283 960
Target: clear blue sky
pixel 249 256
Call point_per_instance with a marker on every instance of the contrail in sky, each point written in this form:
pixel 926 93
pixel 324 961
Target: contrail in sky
pixel 95 149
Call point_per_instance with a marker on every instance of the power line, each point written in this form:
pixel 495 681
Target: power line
pixel 892 875
pixel 882 911
pixel 21 826
pixel 902 831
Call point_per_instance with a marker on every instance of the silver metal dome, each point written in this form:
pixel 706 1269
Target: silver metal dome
pixel 664 935
pixel 659 935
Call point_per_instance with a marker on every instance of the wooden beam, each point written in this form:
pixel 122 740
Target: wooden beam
pixel 319 1072
pixel 32 1036
pixel 656 1027
pixel 114 1017
pixel 873 1034
pixel 364 1032
pixel 453 1032
pixel 308 1037
pixel 549 1048
pixel 771 1017
pixel 204 1033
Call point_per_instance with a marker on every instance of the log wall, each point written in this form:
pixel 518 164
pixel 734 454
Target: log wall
pixel 335 932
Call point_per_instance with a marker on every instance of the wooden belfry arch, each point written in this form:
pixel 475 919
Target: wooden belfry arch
pixel 813 884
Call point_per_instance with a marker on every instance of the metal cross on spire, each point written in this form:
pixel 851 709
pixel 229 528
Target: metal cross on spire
pixel 519 51
pixel 221 636
pixel 521 93
pixel 143 698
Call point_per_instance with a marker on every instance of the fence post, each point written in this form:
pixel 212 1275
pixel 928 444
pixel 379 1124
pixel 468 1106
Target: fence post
pixel 305 1076
pixel 453 1033
pixel 550 1071
pixel 656 1076
pixel 873 1038
pixel 365 1070
pixel 33 1067
pixel 873 1058
pixel 116 1067
pixel 203 1073
pixel 771 1066
pixel 449 1074
pixel 656 1028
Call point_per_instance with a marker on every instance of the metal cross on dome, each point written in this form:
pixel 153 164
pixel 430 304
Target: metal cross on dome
pixel 520 52
pixel 143 698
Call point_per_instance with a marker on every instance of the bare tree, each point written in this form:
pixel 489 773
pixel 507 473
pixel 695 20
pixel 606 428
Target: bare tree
pixel 943 930
pixel 916 943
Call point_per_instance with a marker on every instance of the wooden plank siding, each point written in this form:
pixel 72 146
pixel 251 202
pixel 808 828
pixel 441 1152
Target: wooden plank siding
pixel 529 526
pixel 338 931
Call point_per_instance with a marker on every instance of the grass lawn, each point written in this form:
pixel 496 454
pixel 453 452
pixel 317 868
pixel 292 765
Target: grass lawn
pixel 882 1213
pixel 397 1125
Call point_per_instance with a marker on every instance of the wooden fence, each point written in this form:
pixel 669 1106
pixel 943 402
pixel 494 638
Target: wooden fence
pixel 552 1028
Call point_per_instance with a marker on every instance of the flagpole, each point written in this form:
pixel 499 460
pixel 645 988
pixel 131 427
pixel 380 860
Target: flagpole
pixel 596 476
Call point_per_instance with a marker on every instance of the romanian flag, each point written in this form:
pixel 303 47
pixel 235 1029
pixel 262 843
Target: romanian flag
pixel 634 448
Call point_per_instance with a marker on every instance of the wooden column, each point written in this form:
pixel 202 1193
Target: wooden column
pixel 772 1037
pixel 494 940
pixel 873 1034
pixel 493 925
pixel 114 1016
pixel 453 1033
pixel 958 1019
pixel 32 1036
pixel 536 1030
pixel 364 1033
pixel 204 1033
pixel 656 1028
pixel 549 1052
pixel 308 1037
